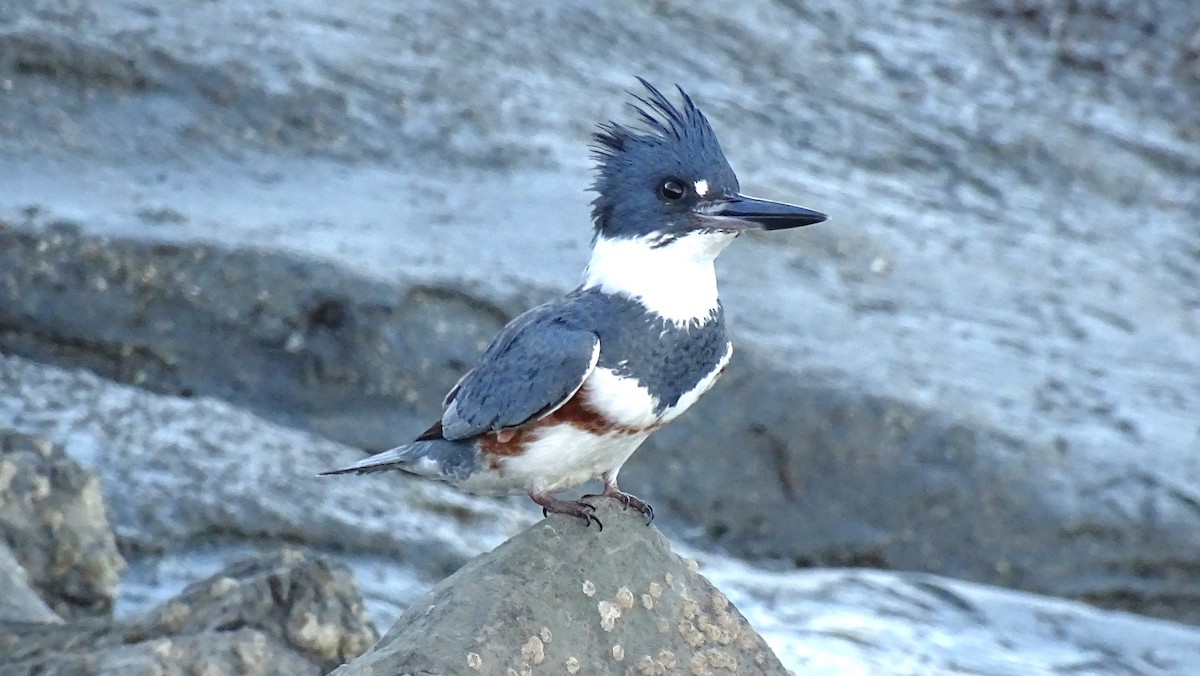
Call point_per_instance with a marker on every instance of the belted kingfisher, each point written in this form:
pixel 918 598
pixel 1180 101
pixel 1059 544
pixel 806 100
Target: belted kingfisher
pixel 568 390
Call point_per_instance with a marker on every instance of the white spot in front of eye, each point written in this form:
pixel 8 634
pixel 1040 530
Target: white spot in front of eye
pixel 702 188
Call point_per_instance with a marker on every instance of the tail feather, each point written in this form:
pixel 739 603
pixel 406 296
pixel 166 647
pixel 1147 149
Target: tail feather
pixel 395 458
pixel 434 458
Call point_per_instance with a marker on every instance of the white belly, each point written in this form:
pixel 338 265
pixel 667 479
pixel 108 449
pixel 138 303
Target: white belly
pixel 565 456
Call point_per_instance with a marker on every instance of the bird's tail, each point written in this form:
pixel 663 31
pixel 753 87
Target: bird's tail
pixel 438 458
pixel 395 458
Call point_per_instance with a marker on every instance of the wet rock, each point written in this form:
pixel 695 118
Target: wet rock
pixel 52 516
pixel 560 597
pixel 288 613
pixel 842 621
pixel 18 601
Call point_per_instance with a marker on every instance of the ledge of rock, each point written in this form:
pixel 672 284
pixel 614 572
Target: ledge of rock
pixel 565 598
pixel 286 613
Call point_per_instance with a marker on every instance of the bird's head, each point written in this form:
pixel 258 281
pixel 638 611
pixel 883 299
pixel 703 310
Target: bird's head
pixel 669 180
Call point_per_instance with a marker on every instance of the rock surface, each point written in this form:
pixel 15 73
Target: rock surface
pixel 844 621
pixel 816 621
pixel 199 478
pixel 289 613
pixel 984 366
pixel 18 601
pixel 560 591
pixel 52 516
pixel 238 652
pixel 561 598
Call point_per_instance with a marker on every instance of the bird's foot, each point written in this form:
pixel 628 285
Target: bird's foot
pixel 552 505
pixel 627 501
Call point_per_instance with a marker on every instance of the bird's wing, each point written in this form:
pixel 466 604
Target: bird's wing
pixel 537 363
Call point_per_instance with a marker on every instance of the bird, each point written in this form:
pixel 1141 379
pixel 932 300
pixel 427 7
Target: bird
pixel 568 390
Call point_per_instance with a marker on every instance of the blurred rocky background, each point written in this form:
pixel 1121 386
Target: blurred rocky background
pixel 241 242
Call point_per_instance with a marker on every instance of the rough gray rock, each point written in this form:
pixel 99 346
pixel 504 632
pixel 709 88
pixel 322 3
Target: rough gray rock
pixel 18 601
pixel 1008 292
pixel 237 652
pixel 52 517
pixel 560 597
pixel 288 613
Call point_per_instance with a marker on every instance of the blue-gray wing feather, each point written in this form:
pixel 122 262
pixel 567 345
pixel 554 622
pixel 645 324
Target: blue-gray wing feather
pixel 537 363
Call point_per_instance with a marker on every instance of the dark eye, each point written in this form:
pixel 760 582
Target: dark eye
pixel 672 189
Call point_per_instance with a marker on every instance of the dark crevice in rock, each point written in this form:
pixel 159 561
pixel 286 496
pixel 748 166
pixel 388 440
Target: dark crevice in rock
pixel 259 329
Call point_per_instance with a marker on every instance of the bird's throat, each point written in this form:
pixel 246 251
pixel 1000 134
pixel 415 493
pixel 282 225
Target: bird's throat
pixel 676 280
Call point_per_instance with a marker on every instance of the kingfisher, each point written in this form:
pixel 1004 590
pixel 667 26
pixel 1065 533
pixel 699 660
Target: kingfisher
pixel 568 390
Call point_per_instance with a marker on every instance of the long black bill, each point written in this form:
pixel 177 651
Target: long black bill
pixel 765 214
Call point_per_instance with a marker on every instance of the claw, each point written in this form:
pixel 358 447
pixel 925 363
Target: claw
pixel 552 505
pixel 611 491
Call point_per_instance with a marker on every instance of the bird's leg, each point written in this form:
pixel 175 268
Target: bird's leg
pixel 612 491
pixel 552 505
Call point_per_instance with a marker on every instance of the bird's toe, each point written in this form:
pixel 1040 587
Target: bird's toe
pixel 627 501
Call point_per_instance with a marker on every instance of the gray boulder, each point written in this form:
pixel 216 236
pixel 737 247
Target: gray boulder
pixel 238 652
pixel 287 613
pixel 18 601
pixel 52 516
pixel 562 598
